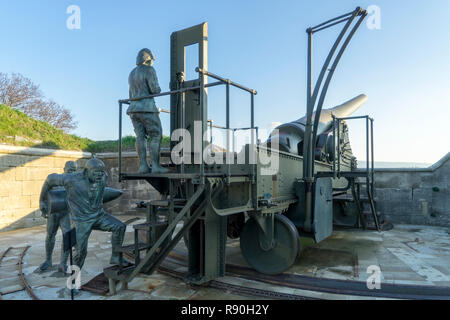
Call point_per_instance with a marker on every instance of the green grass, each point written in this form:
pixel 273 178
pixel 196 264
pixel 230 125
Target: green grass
pixel 128 144
pixel 14 124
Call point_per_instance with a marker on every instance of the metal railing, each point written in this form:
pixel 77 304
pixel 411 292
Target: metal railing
pixel 201 87
pixel 252 92
pixel 369 148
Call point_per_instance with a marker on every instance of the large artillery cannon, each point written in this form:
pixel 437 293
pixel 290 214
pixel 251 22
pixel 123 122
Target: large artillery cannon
pixel 290 136
pixel 280 190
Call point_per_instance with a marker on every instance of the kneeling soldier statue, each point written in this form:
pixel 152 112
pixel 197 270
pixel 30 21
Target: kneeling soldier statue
pixel 55 220
pixel 143 113
pixel 85 192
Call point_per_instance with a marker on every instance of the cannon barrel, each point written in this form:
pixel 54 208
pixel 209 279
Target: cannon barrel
pixel 291 134
pixel 57 198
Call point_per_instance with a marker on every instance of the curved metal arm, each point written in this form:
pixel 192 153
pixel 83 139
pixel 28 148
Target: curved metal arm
pixel 330 76
pixel 311 99
pixel 311 133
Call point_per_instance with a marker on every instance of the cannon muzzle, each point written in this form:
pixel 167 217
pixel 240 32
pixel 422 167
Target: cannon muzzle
pixel 291 134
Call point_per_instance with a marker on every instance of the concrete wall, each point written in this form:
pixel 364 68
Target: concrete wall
pixel 22 174
pixel 415 196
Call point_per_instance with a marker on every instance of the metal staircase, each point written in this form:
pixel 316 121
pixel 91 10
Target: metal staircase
pixel 353 177
pixel 160 238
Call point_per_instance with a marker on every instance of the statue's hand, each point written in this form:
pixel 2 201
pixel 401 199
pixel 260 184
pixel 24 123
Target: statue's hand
pixel 44 209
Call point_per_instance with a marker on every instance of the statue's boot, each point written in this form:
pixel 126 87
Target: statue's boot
pixel 144 168
pixel 159 169
pixel 52 227
pixel 117 240
pixel 46 265
pixel 62 268
pixel 156 167
pixel 142 153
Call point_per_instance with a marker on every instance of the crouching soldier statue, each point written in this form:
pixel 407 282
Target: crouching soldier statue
pixel 55 220
pixel 85 192
pixel 143 113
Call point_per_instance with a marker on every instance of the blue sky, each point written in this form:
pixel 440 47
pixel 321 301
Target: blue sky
pixel 403 68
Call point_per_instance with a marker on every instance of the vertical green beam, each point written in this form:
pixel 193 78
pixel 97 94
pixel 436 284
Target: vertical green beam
pixel 179 40
pixel 120 141
pixel 309 108
pixel 228 154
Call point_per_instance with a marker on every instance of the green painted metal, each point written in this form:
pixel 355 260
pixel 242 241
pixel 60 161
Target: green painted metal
pixel 280 202
pixel 323 209
pixel 270 257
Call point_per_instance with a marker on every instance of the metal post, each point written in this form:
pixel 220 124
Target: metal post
pixel 183 120
pixel 309 109
pixel 202 106
pixel 228 155
pixel 211 132
pixel 252 123
pixel 371 144
pixel 120 141
pixel 333 68
pixel 334 146
pixel 71 267
pixel 257 135
pixel 367 153
pixel 233 141
pixel 338 146
pixel 307 142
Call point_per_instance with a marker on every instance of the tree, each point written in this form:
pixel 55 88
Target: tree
pixel 20 93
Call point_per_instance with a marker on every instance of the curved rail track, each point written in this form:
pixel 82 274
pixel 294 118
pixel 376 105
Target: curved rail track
pixel 23 282
pixel 232 288
pixel 333 286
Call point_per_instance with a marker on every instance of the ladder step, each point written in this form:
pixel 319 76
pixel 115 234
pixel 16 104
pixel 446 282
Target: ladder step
pixel 369 213
pixel 148 226
pixel 129 249
pixel 115 273
pixel 165 203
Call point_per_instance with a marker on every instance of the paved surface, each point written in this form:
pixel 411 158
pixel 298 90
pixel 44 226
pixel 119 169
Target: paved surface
pixel 408 254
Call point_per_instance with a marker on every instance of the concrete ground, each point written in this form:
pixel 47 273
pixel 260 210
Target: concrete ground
pixel 408 254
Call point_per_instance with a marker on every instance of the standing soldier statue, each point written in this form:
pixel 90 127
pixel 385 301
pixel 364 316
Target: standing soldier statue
pixel 143 113
pixel 85 190
pixel 55 220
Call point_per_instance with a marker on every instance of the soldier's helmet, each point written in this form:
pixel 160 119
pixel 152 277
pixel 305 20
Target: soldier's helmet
pixel 95 170
pixel 94 164
pixel 70 166
pixel 144 55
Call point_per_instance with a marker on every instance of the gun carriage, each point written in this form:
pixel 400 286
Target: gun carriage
pixel 269 208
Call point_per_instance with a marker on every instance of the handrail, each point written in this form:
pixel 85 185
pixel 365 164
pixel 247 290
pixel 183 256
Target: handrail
pixel 182 90
pixel 237 85
pixel 202 86
pixel 369 148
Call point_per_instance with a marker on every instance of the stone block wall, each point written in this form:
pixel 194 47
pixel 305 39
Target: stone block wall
pixel 415 196
pixel 22 174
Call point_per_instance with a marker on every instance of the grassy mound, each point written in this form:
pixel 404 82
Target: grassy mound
pixel 16 128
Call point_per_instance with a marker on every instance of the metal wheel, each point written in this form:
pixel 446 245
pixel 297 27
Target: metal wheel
pixel 281 256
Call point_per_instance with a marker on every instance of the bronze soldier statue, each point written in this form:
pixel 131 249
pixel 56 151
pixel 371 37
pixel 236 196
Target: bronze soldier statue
pixel 85 192
pixel 143 113
pixel 55 220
